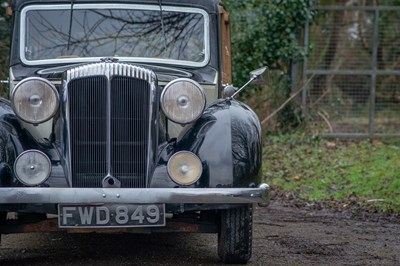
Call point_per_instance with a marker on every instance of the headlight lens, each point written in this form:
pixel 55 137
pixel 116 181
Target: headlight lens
pixel 183 100
pixel 35 100
pixel 32 167
pixel 184 168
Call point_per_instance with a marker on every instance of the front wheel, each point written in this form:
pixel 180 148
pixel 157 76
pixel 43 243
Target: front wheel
pixel 3 217
pixel 235 235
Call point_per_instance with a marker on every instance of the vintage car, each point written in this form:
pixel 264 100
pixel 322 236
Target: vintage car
pixel 117 122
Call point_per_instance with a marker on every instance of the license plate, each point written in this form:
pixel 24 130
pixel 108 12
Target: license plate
pixel 111 215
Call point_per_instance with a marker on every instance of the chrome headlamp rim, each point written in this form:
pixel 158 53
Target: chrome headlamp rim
pixel 21 179
pixel 51 85
pixel 196 84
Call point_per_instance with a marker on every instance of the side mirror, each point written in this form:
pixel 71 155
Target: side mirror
pixel 256 74
pixel 230 91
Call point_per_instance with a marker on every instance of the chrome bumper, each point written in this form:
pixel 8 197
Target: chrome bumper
pixel 258 195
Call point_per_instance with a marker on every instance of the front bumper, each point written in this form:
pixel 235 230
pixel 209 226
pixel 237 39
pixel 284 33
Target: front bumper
pixel 258 195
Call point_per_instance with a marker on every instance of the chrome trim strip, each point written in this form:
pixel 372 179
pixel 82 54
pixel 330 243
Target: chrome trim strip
pixel 129 59
pixel 65 120
pixel 135 195
pixel 107 69
pixel 152 148
pixel 108 124
pixel 11 82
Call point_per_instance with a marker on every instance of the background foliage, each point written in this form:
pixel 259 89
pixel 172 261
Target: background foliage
pixel 268 33
pixel 5 35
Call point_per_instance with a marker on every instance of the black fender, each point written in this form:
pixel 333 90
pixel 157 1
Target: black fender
pixel 227 138
pixel 14 139
pixel 10 146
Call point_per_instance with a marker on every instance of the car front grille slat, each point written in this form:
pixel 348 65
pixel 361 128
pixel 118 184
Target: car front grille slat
pixel 87 128
pixel 129 129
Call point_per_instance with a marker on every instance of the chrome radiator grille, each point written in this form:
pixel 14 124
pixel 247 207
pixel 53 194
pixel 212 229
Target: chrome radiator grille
pixel 109 122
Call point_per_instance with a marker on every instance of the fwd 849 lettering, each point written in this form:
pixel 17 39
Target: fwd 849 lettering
pixel 111 215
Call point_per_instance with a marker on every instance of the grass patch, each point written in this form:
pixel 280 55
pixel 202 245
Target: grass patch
pixel 366 171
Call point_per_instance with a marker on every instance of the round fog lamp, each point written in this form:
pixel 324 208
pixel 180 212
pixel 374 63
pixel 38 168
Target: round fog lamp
pixel 32 167
pixel 35 100
pixel 184 168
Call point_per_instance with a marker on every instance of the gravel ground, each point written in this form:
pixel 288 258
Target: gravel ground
pixel 283 235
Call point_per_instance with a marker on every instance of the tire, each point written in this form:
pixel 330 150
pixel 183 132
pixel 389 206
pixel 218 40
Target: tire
pixel 3 217
pixel 235 235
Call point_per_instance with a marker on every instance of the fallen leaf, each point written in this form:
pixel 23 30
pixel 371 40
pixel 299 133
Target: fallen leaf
pixel 377 142
pixel 330 144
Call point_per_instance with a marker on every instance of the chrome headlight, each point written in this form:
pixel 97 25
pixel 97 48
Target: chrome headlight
pixel 35 100
pixel 32 167
pixel 183 100
pixel 184 168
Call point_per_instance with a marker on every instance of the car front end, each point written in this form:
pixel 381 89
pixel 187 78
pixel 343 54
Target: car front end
pixel 114 124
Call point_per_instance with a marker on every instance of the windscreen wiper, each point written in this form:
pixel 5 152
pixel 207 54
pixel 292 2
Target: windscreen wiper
pixel 71 13
pixel 162 25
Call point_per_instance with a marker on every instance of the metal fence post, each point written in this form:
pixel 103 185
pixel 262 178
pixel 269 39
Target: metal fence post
pixel 304 83
pixel 373 73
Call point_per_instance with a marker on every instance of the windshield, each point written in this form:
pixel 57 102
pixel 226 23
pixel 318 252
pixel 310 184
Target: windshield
pixel 52 34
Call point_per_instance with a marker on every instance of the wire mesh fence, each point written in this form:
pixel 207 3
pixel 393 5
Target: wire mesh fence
pixel 354 67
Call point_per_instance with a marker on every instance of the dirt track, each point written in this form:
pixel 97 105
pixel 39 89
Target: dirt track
pixel 282 236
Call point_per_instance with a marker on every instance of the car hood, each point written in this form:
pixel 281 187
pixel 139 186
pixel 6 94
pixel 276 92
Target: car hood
pixel 164 74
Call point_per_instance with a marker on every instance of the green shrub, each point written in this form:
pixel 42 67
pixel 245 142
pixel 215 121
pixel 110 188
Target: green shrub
pixel 5 37
pixel 266 32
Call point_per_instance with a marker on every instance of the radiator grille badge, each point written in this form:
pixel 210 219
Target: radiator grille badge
pixel 111 182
